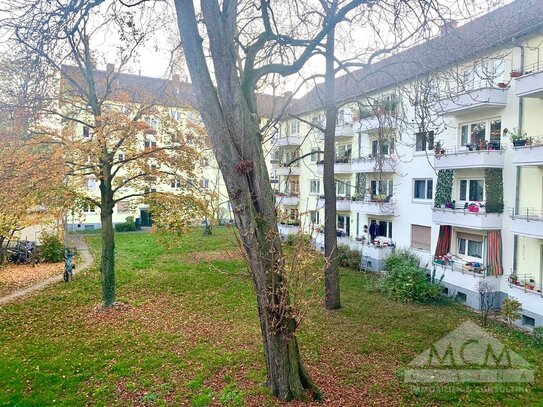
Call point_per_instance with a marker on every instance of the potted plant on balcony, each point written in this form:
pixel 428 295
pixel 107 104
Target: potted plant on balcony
pixel 502 85
pixel 518 139
pixel 515 73
pixel 438 149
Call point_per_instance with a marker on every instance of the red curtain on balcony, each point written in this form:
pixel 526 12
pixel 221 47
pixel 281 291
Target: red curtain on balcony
pixel 444 240
pixel 494 253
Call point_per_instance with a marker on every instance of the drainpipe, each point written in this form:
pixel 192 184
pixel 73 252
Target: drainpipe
pixel 517 180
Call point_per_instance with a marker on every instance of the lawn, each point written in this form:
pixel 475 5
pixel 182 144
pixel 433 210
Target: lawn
pixel 188 335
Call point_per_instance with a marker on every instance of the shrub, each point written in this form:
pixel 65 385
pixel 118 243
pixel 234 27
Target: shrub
pixel 51 248
pixel 511 308
pixel 127 226
pixel 348 258
pixel 405 281
pixel 298 238
pixel 538 335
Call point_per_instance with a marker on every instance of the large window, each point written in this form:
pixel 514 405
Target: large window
pixel 343 188
pixel 123 207
pixel 470 245
pixel 315 155
pixel 343 152
pixel 294 127
pixel 314 216
pixel 421 237
pixel 315 186
pixel 481 133
pixel 382 187
pixel 472 190
pixel 384 227
pixel 382 147
pixel 423 188
pixel 424 140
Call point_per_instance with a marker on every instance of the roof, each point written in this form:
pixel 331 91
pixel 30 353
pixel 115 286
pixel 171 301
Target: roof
pixel 167 92
pixel 457 45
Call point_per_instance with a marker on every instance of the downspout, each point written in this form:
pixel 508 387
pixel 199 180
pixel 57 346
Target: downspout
pixel 518 169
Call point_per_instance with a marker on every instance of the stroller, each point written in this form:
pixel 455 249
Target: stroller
pixel 69 267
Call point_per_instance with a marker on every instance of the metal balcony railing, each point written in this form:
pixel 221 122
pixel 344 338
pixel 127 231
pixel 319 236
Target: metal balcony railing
pixel 526 283
pixel 458 265
pixel 526 213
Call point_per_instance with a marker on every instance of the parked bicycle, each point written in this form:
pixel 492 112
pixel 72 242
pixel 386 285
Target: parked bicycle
pixel 69 266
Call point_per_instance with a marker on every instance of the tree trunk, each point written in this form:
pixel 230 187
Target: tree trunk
pixel 230 118
pixel 107 261
pixel 331 272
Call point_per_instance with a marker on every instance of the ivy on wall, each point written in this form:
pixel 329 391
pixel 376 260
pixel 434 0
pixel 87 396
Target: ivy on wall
pixel 443 188
pixel 360 186
pixel 494 190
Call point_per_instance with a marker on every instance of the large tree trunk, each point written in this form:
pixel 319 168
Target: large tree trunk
pixel 232 124
pixel 331 272
pixel 107 263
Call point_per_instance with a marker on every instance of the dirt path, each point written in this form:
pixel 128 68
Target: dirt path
pixel 85 261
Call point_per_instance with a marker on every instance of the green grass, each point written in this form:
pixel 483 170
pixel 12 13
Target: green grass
pixel 189 336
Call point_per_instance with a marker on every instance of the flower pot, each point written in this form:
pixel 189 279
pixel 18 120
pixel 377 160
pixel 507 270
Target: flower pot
pixel 502 85
pixel 519 143
pixel 515 74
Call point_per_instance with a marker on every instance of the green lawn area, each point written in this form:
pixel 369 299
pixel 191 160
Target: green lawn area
pixel 189 335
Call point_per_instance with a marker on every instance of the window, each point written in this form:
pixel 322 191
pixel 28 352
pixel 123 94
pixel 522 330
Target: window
pixel 204 162
pixel 382 187
pixel 86 131
pixel 385 227
pixel 293 187
pixel 315 155
pixel 460 296
pixel 470 245
pixel 314 186
pixel 421 237
pixel 424 141
pixel 383 147
pixel 175 184
pixel 314 217
pixel 89 207
pixel 294 128
pixel 423 189
pixel 149 144
pixel 293 214
pixel 121 157
pixel 91 183
pixel 343 188
pixel 123 207
pixel 479 133
pixel 204 183
pixel 153 122
pixel 340 117
pixel 343 152
pixel 472 190
pixel 526 320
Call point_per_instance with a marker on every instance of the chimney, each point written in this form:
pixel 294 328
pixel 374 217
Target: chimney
pixel 110 68
pixel 448 26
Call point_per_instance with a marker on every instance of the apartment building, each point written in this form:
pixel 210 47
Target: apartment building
pixel 460 181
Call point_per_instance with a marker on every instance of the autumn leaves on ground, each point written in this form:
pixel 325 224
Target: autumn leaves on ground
pixel 187 334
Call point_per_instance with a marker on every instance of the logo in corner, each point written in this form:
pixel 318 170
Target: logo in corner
pixel 469 355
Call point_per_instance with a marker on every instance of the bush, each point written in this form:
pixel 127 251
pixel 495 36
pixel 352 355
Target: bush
pixel 405 281
pixel 511 308
pixel 348 258
pixel 303 239
pixel 127 226
pixel 51 248
pixel 538 335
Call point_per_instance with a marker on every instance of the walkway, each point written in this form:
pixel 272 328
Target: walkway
pixel 85 261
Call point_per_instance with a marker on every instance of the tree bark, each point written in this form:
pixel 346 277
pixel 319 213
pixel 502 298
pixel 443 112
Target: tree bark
pixel 331 272
pixel 232 124
pixel 107 261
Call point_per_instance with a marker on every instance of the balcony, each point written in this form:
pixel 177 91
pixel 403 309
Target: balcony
pixel 374 123
pixel 284 170
pixel 343 203
pixel 293 140
pixel 287 199
pixel 527 222
pixel 531 83
pixel 372 164
pixel 528 155
pixel 286 229
pixel 341 166
pixel 480 99
pixel 463 157
pixel 458 265
pixel 465 218
pixel 374 206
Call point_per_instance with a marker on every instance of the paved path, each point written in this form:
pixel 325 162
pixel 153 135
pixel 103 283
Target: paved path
pixel 85 261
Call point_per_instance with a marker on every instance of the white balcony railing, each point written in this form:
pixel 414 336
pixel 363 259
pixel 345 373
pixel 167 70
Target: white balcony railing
pixel 383 207
pixel 287 199
pixel 384 163
pixel 527 222
pixel 530 83
pixel 469 157
pixel 464 218
pixel 528 155
pixel 479 99
pixel 293 140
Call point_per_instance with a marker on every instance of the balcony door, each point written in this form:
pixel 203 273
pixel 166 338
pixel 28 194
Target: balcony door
pixel 344 223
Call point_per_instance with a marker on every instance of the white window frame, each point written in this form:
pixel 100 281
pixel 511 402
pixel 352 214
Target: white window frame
pixel 426 182
pixel 317 183
pixel 482 180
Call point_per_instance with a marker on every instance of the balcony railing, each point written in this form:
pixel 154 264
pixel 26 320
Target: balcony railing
pixel 529 82
pixel 383 163
pixel 465 218
pixel 527 222
pixel 526 283
pixel 530 153
pixel 486 97
pixel 458 265
pixel 484 155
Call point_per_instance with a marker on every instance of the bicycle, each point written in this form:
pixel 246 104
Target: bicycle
pixel 69 267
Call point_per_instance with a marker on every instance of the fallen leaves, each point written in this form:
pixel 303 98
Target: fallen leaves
pixel 14 277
